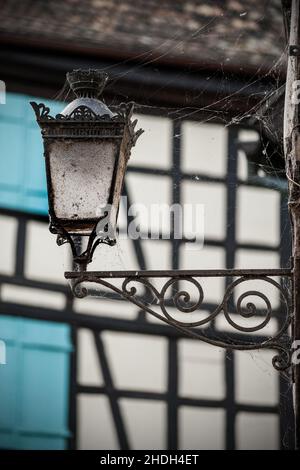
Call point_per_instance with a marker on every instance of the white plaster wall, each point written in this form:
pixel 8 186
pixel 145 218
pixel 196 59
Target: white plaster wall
pixel 140 362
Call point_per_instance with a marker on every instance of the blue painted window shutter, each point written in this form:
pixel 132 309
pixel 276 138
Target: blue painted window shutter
pixel 22 168
pixel 34 384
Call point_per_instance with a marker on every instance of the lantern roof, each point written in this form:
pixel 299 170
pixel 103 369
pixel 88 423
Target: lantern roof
pixel 86 116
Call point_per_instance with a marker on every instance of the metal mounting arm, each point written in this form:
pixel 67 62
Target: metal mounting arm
pixel 171 299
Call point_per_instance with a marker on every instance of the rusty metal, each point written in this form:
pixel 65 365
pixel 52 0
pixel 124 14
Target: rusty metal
pixel 184 273
pixel 157 303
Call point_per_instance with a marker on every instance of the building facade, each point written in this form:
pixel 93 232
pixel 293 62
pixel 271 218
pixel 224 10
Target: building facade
pixel 113 378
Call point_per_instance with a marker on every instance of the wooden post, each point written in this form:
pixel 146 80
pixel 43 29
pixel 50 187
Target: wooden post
pixel 292 156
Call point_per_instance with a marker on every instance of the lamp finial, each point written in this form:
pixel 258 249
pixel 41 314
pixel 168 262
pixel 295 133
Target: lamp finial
pixel 87 83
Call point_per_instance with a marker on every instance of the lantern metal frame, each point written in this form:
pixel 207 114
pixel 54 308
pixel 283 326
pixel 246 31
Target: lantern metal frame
pixel 84 124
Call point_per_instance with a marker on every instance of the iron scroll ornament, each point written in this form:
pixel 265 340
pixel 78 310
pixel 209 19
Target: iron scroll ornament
pixel 181 301
pixel 83 114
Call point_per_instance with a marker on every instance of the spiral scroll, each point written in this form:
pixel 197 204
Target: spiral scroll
pixel 181 300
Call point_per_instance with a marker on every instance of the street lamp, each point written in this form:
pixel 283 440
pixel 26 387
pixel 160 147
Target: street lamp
pixel 86 149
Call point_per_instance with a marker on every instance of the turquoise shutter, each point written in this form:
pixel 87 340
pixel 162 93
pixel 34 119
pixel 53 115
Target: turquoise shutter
pixel 34 384
pixel 22 168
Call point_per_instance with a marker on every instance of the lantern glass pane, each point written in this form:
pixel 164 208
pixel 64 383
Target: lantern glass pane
pixel 81 175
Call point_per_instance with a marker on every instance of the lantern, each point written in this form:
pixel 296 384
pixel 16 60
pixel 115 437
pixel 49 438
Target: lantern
pixel 86 149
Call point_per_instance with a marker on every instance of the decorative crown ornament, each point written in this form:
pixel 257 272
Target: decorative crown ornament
pixel 87 83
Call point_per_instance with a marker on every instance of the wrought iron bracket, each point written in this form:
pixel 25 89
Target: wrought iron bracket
pixel 165 302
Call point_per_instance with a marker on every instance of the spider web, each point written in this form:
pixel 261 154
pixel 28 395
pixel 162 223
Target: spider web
pixel 265 116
